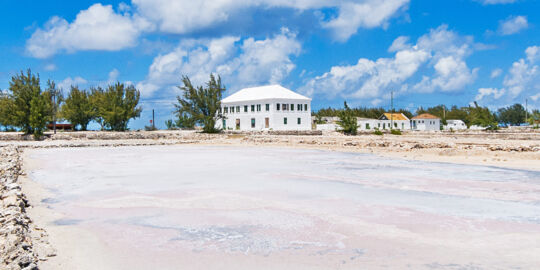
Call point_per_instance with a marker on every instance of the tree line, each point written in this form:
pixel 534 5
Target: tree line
pixel 29 108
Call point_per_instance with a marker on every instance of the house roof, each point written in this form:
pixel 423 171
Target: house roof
pixel 264 92
pixel 394 116
pixel 426 116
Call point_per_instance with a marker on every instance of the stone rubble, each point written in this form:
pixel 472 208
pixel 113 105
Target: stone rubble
pixel 18 234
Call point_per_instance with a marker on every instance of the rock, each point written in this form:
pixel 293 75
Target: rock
pixel 11 200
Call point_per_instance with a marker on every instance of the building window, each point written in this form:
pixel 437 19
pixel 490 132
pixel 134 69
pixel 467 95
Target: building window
pixel 237 109
pixel 224 124
pixel 292 107
pixel 379 125
pixel 367 125
pixel 277 106
pixel 226 109
pixel 285 107
pixel 284 120
pixel 258 107
pixel 252 122
pixel 245 108
pixel 267 107
pixel 252 108
pixel 219 110
pixel 395 124
pixel 305 107
pixel 299 121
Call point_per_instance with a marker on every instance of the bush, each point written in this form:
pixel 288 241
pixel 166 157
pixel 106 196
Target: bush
pixel 395 132
pixel 377 132
pixel 347 121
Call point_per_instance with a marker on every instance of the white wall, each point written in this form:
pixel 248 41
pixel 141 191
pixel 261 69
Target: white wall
pixel 455 125
pixel 275 117
pixel 384 124
pixel 426 124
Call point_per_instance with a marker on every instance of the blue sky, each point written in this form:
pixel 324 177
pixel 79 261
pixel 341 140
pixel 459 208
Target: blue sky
pixel 427 52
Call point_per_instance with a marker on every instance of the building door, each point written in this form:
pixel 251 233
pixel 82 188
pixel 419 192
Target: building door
pixel 266 122
pixel 237 124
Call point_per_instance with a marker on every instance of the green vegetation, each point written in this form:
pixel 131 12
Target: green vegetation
pixel 377 132
pixel 347 120
pixel 28 108
pixel 395 132
pixel 200 105
pixel 512 115
pixel 77 108
pixel 534 119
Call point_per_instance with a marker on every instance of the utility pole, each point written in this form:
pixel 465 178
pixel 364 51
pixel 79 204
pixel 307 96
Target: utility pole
pixel 153 120
pixel 392 113
pixel 526 100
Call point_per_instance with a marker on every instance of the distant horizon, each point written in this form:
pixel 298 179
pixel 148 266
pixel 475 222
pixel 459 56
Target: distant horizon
pixel 428 53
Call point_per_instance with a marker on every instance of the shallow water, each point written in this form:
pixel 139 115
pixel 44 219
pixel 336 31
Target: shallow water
pixel 292 208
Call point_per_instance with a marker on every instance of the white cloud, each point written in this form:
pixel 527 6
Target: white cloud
pixel 440 49
pixel 113 76
pixel 50 67
pixel 495 2
pixel 68 82
pixel 96 28
pixel 366 14
pixel 178 16
pixel 243 63
pixel 484 92
pixel 496 73
pixel 522 80
pixel 513 25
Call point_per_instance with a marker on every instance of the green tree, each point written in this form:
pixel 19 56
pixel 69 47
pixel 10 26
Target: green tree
pixel 347 120
pixel 117 105
pixel 30 107
pixel 534 118
pixel 200 105
pixel 482 116
pixel 512 115
pixel 96 97
pixel 6 109
pixel 56 98
pixel 40 114
pixel 77 108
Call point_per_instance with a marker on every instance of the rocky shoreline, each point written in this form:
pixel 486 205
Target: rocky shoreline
pixel 23 243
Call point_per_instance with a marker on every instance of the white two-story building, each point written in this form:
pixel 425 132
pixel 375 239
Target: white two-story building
pixel 271 107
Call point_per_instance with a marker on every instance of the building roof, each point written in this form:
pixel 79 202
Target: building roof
pixel 426 116
pixel 264 92
pixel 393 116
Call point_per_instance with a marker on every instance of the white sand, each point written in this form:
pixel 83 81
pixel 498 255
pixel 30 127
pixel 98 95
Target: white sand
pixel 203 207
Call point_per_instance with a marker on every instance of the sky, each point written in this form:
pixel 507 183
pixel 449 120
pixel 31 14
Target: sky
pixel 426 52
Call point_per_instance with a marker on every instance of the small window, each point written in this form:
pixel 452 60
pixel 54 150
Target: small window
pixel 299 121
pixel 252 108
pixel 367 125
pixel 252 122
pixel 267 107
pixel 395 124
pixel 285 107
pixel 226 109
pixel 299 107
pixel 284 120
pixel 224 124
pixel 245 108
pixel 277 106
pixel 305 107
pixel 292 107
pixel 237 109
pixel 258 107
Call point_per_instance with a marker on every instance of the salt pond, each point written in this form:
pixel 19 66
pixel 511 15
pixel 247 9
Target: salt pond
pixel 209 207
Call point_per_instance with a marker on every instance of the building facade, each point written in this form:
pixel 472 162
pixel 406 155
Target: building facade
pixel 270 107
pixel 426 121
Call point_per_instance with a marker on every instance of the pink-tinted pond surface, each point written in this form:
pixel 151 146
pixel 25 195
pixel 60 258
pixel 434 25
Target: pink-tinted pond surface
pixel 209 207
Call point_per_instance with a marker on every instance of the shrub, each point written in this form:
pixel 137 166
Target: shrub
pixel 377 132
pixel 395 132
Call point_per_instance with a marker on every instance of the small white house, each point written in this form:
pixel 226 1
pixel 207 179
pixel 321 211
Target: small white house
pixel 398 120
pixel 367 123
pixel 271 107
pixel 455 125
pixel 426 121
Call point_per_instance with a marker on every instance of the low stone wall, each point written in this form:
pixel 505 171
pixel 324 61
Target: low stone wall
pixel 18 235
